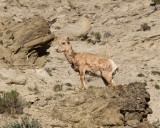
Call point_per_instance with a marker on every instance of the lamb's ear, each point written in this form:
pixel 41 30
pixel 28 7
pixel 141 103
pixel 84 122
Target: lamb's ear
pixel 68 40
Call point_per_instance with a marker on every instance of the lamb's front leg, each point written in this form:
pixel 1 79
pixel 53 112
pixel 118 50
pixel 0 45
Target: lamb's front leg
pixel 82 76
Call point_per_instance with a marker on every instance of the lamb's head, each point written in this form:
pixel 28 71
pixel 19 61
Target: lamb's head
pixel 64 45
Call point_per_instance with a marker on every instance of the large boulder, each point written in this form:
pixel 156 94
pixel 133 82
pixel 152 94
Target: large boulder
pixel 123 106
pixel 78 30
pixel 24 43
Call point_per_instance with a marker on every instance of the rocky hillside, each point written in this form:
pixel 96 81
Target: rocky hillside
pixel 127 31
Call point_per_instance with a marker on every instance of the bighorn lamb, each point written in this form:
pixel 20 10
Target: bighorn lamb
pixel 88 62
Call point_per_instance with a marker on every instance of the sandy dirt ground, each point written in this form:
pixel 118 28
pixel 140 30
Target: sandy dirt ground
pixel 122 39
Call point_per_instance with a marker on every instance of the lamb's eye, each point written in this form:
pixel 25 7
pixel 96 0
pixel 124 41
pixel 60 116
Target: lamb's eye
pixel 63 43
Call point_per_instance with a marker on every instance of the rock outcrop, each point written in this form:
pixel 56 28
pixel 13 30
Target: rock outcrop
pixel 25 43
pixel 123 106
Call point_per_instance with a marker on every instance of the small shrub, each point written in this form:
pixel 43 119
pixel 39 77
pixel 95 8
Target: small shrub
pixel 97 35
pixel 145 27
pixel 91 86
pixel 11 103
pixel 25 123
pixel 156 1
pixel 157 86
pixel 145 83
pixel 35 89
pixel 155 73
pixel 106 34
pixel 140 75
pixel 28 104
pixel 151 80
pixel 57 88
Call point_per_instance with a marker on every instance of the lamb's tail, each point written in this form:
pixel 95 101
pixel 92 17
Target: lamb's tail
pixel 117 69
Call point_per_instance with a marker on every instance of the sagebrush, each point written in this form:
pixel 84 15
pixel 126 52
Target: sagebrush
pixel 140 75
pixel 145 27
pixel 157 86
pixel 11 103
pixel 155 73
pixel 33 89
pixel 57 88
pixel 25 123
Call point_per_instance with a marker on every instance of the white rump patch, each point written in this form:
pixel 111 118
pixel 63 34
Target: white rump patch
pixel 114 66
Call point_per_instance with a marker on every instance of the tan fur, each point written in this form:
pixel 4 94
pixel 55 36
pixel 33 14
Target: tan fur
pixel 88 62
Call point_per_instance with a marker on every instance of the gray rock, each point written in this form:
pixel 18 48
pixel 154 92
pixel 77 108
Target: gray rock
pixel 79 29
pixel 123 106
pixel 25 43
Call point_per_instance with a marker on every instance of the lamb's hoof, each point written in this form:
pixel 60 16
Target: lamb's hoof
pixel 112 84
pixel 83 88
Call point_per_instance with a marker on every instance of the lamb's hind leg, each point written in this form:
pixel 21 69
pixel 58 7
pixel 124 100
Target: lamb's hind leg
pixel 82 76
pixel 108 77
